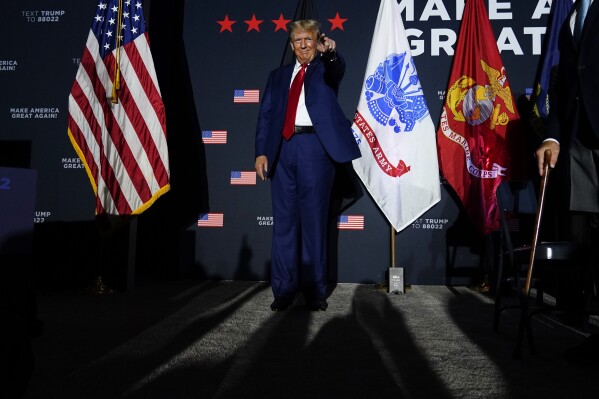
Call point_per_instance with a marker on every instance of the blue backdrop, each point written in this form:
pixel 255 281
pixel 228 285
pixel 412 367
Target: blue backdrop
pixel 202 58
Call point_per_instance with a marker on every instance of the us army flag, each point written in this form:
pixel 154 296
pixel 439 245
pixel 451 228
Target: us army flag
pixel 393 127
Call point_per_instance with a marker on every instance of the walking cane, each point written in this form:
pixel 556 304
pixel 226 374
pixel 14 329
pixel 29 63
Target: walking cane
pixel 524 322
pixel 539 215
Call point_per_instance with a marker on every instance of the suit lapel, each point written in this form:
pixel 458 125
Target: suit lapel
pixel 310 71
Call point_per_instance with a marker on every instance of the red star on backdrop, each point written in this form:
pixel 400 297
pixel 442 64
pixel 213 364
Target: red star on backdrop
pixel 254 24
pixel 226 24
pixel 337 22
pixel 281 23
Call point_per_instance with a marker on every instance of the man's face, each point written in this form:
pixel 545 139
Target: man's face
pixel 303 44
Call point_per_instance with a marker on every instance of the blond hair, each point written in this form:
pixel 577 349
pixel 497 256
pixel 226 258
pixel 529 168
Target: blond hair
pixel 308 25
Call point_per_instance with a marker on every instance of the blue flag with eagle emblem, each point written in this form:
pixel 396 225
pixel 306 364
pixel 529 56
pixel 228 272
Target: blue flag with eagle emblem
pixel 559 11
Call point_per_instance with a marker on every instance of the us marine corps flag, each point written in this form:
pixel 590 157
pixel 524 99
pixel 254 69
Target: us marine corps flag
pixel 479 107
pixel 393 127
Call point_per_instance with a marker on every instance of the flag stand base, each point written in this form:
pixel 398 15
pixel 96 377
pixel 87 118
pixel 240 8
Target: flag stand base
pixel 100 288
pixel 396 281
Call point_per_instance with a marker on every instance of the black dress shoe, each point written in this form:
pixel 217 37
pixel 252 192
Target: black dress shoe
pixel 319 304
pixel 280 304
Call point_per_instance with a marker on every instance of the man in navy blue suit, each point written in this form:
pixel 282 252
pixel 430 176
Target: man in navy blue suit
pixel 300 158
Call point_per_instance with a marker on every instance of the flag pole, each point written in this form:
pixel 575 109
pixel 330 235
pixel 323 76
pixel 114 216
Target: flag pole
pixel 396 283
pixel 132 254
pixel 405 183
pixel 98 286
pixel 110 213
pixel 392 246
pixel 117 59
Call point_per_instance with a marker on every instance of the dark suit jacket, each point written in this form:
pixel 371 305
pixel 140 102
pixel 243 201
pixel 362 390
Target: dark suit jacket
pixel 321 87
pixel 577 80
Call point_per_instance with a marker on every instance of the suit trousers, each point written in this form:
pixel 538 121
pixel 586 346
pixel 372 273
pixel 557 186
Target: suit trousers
pixel 301 194
pixel 584 177
pixel 583 220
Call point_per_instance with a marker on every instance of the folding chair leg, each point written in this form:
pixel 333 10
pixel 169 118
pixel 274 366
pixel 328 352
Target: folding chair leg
pixel 524 327
pixel 496 314
pixel 521 328
pixel 499 291
pixel 531 345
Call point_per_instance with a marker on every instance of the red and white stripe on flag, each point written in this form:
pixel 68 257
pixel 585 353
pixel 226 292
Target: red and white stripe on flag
pixel 211 220
pixel 122 144
pixel 243 177
pixel 246 96
pixel 214 136
pixel 350 222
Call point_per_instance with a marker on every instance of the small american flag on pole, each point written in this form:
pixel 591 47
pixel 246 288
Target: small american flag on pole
pixel 246 96
pixel 116 120
pixel 214 136
pixel 350 222
pixel 242 177
pixel 210 220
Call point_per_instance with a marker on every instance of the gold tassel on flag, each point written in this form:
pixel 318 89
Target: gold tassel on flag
pixel 117 59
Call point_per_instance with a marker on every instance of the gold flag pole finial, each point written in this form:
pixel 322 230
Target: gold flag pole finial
pixel 117 58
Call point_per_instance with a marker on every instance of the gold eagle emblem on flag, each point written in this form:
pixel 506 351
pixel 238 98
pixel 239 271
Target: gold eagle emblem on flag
pixel 473 103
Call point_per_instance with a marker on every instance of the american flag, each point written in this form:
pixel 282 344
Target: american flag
pixel 119 132
pixel 246 96
pixel 214 136
pixel 210 220
pixel 242 177
pixel 350 222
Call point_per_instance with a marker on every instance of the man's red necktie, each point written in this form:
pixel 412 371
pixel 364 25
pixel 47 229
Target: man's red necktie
pixel 294 95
